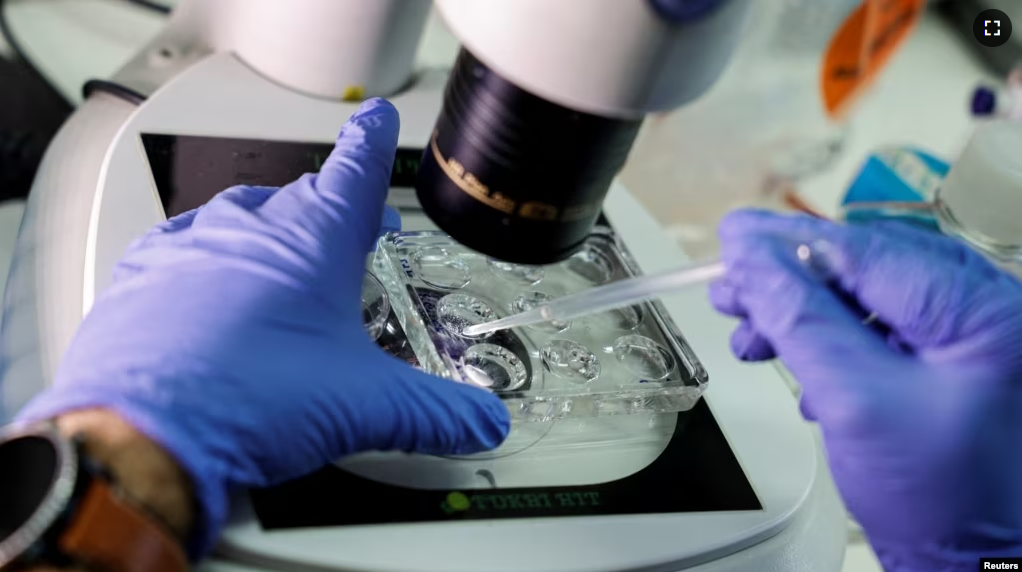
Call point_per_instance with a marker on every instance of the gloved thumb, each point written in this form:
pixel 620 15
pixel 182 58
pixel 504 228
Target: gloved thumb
pixel 437 416
pixel 341 207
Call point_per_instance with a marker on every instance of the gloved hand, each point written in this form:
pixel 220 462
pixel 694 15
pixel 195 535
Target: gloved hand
pixel 921 413
pixel 233 336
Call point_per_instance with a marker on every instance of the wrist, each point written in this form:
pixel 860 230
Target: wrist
pixel 129 420
pixel 87 489
pixel 142 470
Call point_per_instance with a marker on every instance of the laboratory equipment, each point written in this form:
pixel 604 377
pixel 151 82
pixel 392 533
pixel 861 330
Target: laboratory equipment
pixel 616 360
pixel 980 200
pixel 999 101
pixel 977 201
pixel 623 293
pixel 1005 102
pixel 217 116
pixel 603 297
pixel 542 108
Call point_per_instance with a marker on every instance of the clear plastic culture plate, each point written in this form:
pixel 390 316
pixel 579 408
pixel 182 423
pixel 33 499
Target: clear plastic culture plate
pixel 632 360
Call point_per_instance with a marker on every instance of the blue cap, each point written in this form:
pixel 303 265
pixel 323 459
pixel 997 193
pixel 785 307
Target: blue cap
pixel 984 101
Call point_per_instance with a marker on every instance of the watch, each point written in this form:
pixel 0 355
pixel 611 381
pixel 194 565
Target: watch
pixel 60 508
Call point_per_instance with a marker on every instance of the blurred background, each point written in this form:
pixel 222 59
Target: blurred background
pixel 770 133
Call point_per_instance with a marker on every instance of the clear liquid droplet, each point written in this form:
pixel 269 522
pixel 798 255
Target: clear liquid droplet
pixel 622 319
pixel 516 273
pixel 643 357
pixel 439 268
pixel 455 312
pixel 531 300
pixel 570 361
pixel 591 265
pixel 495 367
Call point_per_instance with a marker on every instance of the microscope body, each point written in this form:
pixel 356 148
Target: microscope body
pixel 613 58
pixel 541 109
pixel 544 105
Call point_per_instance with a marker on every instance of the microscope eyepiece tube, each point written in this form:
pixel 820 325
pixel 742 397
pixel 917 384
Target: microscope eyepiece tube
pixel 514 176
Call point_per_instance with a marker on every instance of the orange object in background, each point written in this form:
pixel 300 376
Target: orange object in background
pixel 862 47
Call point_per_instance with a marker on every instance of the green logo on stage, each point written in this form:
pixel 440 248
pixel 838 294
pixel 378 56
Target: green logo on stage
pixel 456 502
pixel 482 503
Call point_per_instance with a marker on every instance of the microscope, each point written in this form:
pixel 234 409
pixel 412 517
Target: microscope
pixel 544 104
pixel 514 153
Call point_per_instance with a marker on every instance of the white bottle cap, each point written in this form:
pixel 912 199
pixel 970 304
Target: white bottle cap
pixel 981 198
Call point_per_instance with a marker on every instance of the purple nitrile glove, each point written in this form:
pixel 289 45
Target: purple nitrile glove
pixel 684 11
pixel 233 336
pixel 921 413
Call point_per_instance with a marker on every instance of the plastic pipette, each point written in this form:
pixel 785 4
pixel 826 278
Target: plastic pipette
pixel 816 255
pixel 607 297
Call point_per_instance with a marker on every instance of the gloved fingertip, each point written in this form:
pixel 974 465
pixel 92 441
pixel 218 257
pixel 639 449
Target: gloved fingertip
pixel 759 349
pixel 391 220
pixel 369 136
pixel 372 104
pixel 805 408
pixel 724 297
pixel 491 427
pixel 749 345
pixel 462 419
pixel 376 121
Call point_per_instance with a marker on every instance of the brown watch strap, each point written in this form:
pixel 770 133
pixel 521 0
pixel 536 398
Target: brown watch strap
pixel 108 533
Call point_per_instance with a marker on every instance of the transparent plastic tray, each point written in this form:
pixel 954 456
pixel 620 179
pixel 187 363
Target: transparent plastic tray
pixel 632 360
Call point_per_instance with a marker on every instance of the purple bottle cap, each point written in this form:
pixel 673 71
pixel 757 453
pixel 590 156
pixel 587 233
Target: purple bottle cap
pixel 984 101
